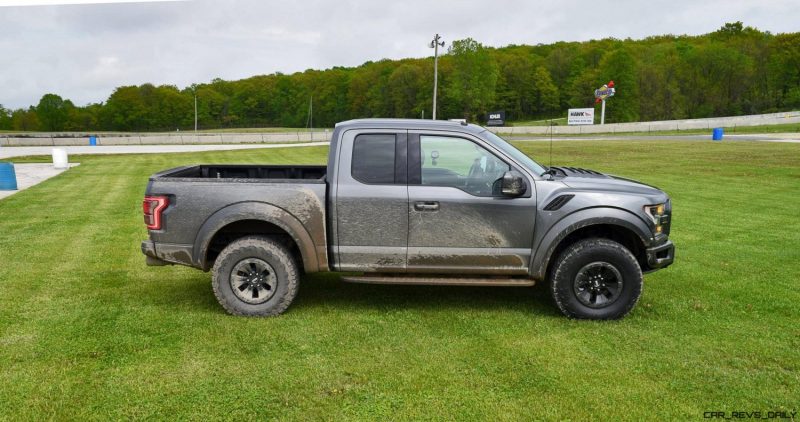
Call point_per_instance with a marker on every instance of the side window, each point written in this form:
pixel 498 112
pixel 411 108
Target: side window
pixel 373 158
pixel 462 164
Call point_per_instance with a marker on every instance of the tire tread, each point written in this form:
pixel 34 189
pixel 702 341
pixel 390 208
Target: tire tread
pixel 570 254
pixel 272 247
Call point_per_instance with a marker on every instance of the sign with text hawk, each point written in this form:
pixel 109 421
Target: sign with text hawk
pixel 580 116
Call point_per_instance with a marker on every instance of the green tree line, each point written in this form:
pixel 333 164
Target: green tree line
pixel 732 71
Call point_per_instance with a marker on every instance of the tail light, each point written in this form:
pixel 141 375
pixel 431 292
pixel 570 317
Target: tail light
pixel 153 206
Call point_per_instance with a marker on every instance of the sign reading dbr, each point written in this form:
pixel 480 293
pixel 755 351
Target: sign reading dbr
pixel 580 116
pixel 496 118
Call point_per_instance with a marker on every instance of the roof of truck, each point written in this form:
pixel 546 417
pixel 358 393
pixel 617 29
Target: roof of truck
pixel 410 124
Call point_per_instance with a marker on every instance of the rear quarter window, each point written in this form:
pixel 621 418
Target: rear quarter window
pixel 373 158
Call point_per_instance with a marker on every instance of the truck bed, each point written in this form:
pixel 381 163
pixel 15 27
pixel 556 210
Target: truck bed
pixel 205 198
pixel 248 171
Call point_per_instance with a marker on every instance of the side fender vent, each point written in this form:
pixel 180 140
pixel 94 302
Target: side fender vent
pixel 558 202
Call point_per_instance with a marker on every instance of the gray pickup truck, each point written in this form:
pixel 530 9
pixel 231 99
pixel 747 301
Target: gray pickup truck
pixel 411 202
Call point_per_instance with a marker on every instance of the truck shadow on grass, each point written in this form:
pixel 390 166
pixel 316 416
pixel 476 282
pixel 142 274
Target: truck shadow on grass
pixel 327 290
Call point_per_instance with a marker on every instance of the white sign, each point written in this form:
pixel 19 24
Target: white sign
pixel 580 116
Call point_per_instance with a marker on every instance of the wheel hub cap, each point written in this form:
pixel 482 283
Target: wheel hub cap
pixel 253 281
pixel 598 284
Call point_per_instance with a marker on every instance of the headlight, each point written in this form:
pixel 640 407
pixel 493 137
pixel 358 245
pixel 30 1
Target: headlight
pixel 657 213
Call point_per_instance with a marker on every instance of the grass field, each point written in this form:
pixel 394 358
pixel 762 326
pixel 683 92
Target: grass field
pixel 87 331
pixel 561 121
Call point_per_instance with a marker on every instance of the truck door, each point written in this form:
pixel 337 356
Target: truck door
pixel 459 221
pixel 372 201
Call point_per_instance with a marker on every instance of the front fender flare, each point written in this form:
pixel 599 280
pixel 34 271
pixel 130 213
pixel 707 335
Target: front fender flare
pixel 577 220
pixel 255 211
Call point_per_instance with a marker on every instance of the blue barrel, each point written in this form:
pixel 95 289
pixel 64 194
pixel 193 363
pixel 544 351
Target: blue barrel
pixel 8 178
pixel 93 140
pixel 716 134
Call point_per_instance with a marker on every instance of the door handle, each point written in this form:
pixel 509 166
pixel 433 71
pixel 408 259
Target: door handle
pixel 426 205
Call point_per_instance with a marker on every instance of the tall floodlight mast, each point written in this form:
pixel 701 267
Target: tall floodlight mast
pixel 194 92
pixel 435 44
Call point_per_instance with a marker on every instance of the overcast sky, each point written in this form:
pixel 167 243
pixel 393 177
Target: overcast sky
pixel 82 52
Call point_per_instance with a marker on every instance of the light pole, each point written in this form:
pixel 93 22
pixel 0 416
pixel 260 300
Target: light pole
pixel 603 111
pixel 435 44
pixel 194 92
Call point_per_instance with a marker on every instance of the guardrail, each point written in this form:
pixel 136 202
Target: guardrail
pixel 177 138
pixel 657 126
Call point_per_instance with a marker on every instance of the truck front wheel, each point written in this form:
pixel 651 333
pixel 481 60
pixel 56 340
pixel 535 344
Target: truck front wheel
pixel 596 279
pixel 255 276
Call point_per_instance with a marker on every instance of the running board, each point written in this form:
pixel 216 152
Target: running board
pixel 439 281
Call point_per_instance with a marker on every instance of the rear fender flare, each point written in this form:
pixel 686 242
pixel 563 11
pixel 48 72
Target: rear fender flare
pixel 255 211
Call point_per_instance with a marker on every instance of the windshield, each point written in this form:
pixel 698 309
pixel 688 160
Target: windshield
pixel 515 153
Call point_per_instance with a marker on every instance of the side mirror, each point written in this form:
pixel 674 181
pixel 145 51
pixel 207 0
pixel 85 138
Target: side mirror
pixel 513 184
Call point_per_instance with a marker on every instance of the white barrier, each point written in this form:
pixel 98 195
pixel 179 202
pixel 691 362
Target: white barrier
pixel 657 126
pixel 177 138
pixel 60 158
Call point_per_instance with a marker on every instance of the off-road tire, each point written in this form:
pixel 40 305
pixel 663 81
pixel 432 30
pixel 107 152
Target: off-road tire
pixel 282 264
pixel 594 253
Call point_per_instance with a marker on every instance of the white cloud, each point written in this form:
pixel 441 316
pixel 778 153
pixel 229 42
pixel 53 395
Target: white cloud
pixel 9 3
pixel 82 52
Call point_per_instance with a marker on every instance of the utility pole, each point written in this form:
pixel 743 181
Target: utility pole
pixel 310 120
pixel 435 44
pixel 194 91
pixel 603 112
pixel 195 112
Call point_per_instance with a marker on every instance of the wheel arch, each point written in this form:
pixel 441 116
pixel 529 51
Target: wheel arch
pixel 611 223
pixel 259 218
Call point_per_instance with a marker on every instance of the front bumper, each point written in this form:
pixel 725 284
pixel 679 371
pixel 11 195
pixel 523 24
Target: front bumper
pixel 661 256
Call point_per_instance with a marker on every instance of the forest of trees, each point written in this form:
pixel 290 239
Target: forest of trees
pixel 732 71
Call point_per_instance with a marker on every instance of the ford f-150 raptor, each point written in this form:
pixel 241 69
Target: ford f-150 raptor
pixel 411 202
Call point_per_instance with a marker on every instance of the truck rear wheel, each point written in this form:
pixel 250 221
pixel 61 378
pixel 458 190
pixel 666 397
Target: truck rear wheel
pixel 596 279
pixel 255 276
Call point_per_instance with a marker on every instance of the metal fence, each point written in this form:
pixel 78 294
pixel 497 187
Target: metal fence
pixel 177 138
pixel 658 126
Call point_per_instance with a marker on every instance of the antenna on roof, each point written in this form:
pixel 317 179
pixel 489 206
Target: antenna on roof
pixel 550 123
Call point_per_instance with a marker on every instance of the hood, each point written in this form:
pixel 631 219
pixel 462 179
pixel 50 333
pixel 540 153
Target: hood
pixel 584 179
